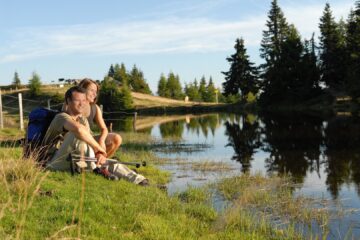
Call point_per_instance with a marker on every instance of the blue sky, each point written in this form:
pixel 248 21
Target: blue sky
pixel 78 38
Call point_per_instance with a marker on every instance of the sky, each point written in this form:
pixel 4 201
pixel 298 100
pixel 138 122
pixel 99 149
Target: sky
pixel 192 38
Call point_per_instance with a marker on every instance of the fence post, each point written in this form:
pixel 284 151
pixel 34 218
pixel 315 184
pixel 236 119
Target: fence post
pixel 101 108
pixel 1 113
pixel 21 112
pixel 134 122
pixel 48 103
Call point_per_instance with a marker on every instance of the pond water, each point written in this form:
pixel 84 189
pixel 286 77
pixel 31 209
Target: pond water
pixel 321 154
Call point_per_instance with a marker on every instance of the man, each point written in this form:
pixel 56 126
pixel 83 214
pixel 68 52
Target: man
pixel 69 132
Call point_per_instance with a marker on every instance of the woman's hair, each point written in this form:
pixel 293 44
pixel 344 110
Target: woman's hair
pixel 85 83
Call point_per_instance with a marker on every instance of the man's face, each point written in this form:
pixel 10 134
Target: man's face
pixel 77 103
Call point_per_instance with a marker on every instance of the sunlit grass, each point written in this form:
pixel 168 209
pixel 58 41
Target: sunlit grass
pixel 37 204
pixel 272 198
pixel 211 166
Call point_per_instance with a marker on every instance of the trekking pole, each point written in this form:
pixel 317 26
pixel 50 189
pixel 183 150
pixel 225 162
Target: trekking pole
pixel 109 160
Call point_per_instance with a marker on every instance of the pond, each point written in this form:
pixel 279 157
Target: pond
pixel 321 154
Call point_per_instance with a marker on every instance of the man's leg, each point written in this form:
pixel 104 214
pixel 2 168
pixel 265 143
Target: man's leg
pixel 70 145
pixel 122 171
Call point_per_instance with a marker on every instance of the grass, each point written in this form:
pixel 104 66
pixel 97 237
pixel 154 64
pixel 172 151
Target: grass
pixel 272 199
pixel 37 204
pixel 11 134
pixel 210 166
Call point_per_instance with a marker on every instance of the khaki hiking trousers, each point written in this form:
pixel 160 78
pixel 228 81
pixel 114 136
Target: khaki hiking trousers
pixel 72 145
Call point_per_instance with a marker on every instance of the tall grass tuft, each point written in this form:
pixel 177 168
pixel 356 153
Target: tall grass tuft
pixel 271 200
pixel 21 181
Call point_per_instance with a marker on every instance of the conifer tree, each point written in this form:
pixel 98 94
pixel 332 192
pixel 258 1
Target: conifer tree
pixel 34 85
pixel 173 86
pixel 273 38
pixel 332 51
pixel 202 88
pixel 162 89
pixel 192 91
pixel 112 97
pixel 137 81
pixel 242 76
pixel 120 74
pixel 111 72
pixel 289 68
pixel 16 81
pixel 210 92
pixel 353 51
pixel 310 72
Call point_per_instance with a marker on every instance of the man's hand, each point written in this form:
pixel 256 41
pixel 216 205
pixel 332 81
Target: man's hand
pixel 102 144
pixel 101 158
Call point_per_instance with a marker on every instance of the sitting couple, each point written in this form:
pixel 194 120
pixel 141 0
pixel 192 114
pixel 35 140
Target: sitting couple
pixel 70 133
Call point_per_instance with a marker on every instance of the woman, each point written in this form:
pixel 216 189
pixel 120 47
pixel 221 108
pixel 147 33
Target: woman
pixel 109 141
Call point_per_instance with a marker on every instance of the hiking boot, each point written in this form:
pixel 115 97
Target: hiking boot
pixel 144 183
pixel 105 173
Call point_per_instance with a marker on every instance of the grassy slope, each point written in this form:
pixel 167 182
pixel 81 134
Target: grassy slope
pixel 37 205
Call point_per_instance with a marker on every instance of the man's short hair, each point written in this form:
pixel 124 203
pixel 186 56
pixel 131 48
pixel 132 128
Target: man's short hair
pixel 69 92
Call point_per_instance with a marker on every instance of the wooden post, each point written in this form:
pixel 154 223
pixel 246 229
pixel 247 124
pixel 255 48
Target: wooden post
pixel 134 121
pixel 101 108
pixel 48 103
pixel 1 113
pixel 21 112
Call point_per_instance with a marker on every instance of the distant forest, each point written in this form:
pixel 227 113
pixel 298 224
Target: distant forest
pixel 296 70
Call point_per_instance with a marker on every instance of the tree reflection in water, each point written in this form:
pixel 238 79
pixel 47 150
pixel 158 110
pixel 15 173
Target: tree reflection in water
pixel 342 149
pixel 293 142
pixel 244 137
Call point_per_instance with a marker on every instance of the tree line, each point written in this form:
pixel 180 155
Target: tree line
pixel 170 87
pixel 296 70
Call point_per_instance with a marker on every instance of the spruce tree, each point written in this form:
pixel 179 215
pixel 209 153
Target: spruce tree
pixel 289 68
pixel 242 76
pixel 112 97
pixel 111 72
pixel 202 88
pixel 353 51
pixel 210 92
pixel 34 85
pixel 332 51
pixel 271 48
pixel 137 81
pixel 173 86
pixel 310 72
pixel 192 91
pixel 162 86
pixel 120 74
pixel 16 81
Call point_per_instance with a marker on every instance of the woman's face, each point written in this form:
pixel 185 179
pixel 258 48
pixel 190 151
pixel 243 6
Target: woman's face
pixel 91 92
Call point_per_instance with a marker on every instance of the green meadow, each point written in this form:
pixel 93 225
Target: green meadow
pixel 39 204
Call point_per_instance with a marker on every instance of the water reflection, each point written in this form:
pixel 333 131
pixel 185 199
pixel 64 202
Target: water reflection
pixel 172 129
pixel 244 136
pixel 342 151
pixel 292 144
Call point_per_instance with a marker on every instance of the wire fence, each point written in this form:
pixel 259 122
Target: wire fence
pixel 13 108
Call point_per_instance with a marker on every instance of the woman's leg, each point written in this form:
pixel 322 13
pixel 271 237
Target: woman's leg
pixel 112 142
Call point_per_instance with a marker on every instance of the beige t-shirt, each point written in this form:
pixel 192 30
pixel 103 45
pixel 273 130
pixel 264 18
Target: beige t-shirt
pixel 55 134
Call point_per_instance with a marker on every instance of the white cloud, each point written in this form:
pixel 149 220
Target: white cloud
pixel 166 35
pixel 156 36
